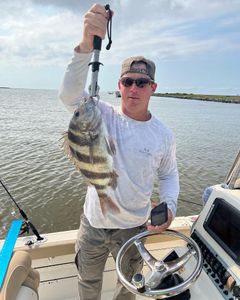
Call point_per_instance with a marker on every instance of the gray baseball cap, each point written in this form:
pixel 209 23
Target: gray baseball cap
pixel 127 66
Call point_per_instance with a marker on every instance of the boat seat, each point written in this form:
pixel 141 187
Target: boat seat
pixel 21 280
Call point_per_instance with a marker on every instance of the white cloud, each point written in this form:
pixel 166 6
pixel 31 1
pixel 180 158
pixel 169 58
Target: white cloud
pixel 233 22
pixel 41 32
pixel 35 38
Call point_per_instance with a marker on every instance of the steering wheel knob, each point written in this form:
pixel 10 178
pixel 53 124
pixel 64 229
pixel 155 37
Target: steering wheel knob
pixel 138 281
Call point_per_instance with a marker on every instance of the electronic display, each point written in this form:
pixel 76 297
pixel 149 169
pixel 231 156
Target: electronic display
pixel 159 214
pixel 223 224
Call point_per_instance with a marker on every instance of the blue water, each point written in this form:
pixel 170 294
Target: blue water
pixel 51 191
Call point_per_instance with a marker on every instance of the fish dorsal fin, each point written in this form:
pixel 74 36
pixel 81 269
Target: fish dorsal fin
pixel 68 152
pixel 65 145
pixel 110 146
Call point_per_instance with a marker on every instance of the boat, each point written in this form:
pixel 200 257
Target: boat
pixel 205 253
pixel 117 94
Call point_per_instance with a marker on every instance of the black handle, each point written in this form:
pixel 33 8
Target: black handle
pixel 97 43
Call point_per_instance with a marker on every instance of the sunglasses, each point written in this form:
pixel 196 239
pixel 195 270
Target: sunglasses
pixel 140 82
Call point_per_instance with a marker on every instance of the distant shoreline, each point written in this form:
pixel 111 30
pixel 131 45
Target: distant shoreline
pixel 216 98
pixel 4 87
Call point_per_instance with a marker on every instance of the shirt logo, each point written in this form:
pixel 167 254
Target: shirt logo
pixel 145 151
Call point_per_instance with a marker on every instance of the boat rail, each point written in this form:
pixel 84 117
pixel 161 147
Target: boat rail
pixel 232 180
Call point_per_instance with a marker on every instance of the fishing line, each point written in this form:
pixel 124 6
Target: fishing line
pixel 109 26
pixel 187 201
pixel 27 224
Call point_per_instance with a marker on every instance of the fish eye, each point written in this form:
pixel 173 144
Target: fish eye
pixel 76 114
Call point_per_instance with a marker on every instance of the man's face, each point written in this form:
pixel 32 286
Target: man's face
pixel 135 98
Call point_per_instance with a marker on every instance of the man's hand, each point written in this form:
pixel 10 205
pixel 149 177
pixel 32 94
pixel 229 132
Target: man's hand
pixel 95 23
pixel 162 227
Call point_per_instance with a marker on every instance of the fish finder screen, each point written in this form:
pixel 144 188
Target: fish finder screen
pixel 223 224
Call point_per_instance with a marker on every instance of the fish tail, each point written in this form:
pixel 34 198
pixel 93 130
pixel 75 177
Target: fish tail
pixel 107 204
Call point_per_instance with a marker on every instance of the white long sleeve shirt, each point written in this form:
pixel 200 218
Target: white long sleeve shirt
pixel 145 150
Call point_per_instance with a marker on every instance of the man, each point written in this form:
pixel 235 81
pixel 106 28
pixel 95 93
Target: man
pixel 145 149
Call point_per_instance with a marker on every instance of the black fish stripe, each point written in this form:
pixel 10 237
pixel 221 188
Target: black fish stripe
pixel 100 187
pixel 79 140
pixel 95 175
pixel 86 158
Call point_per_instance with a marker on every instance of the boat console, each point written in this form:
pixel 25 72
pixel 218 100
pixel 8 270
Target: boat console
pixel 217 233
pixel 214 245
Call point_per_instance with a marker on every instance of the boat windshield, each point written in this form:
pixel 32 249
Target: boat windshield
pixel 233 178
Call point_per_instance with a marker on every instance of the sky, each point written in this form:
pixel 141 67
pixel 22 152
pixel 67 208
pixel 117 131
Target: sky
pixel 195 44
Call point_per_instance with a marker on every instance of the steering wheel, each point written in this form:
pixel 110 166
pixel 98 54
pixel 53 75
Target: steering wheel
pixel 158 268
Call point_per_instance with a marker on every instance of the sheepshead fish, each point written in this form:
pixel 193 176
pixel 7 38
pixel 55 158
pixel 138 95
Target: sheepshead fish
pixel 88 146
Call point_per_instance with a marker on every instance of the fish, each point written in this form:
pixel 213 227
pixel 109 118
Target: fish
pixel 89 147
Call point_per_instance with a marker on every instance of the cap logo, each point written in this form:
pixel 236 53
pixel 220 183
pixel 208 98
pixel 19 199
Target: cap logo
pixel 138 70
